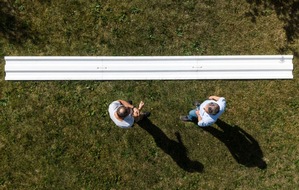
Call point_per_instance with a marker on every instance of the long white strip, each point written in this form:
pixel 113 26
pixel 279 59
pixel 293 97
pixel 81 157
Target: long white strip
pixel 148 67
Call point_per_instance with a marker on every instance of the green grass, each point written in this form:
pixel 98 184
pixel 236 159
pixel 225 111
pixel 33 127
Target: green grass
pixel 58 135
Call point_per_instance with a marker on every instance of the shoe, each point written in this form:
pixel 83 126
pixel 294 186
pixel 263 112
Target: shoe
pixel 146 114
pixel 196 103
pixel 184 118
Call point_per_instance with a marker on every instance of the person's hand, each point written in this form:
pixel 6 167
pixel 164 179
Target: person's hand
pixel 141 104
pixel 199 118
pixel 136 112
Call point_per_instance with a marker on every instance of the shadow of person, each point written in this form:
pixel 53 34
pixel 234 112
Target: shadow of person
pixel 13 28
pixel 175 149
pixel 287 11
pixel 243 147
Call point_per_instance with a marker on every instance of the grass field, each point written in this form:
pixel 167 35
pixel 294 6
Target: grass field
pixel 58 135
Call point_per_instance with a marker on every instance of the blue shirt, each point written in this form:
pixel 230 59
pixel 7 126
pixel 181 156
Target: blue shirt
pixel 208 119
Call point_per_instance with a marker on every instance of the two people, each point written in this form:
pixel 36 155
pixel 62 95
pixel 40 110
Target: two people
pixel 124 114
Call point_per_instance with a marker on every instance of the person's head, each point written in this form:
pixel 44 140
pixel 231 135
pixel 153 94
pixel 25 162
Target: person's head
pixel 212 108
pixel 123 112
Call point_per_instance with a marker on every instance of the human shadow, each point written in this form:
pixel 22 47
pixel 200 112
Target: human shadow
pixel 12 27
pixel 243 147
pixel 287 11
pixel 175 149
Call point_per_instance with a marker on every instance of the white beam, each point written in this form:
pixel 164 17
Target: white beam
pixel 148 67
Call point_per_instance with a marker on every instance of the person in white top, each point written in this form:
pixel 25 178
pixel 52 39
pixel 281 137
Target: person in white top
pixel 124 114
pixel 208 112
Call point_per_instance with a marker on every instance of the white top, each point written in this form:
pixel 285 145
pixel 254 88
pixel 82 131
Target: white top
pixel 127 122
pixel 208 119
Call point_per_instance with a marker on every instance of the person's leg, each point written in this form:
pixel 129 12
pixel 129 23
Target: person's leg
pixel 192 115
pixel 140 117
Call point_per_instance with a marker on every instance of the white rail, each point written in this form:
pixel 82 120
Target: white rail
pixel 148 67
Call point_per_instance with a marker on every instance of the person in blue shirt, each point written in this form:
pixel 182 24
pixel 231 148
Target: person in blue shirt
pixel 208 112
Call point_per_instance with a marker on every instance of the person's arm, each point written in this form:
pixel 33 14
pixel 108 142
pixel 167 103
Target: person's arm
pixel 141 104
pixel 198 115
pixel 216 98
pixel 126 104
pixel 136 111
pixel 202 123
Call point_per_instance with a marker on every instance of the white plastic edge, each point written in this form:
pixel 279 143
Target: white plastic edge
pixel 148 67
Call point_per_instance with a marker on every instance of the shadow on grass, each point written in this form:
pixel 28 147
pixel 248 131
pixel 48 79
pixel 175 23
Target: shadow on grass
pixel 287 11
pixel 243 147
pixel 12 27
pixel 175 149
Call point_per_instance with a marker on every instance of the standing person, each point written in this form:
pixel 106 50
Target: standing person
pixel 208 112
pixel 124 114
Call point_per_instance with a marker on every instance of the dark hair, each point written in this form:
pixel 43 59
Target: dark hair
pixel 122 112
pixel 213 108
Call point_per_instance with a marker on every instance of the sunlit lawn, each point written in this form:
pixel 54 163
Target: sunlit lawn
pixel 58 135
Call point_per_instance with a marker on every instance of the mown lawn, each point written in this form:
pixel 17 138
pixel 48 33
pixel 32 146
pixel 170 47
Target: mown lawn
pixel 58 135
